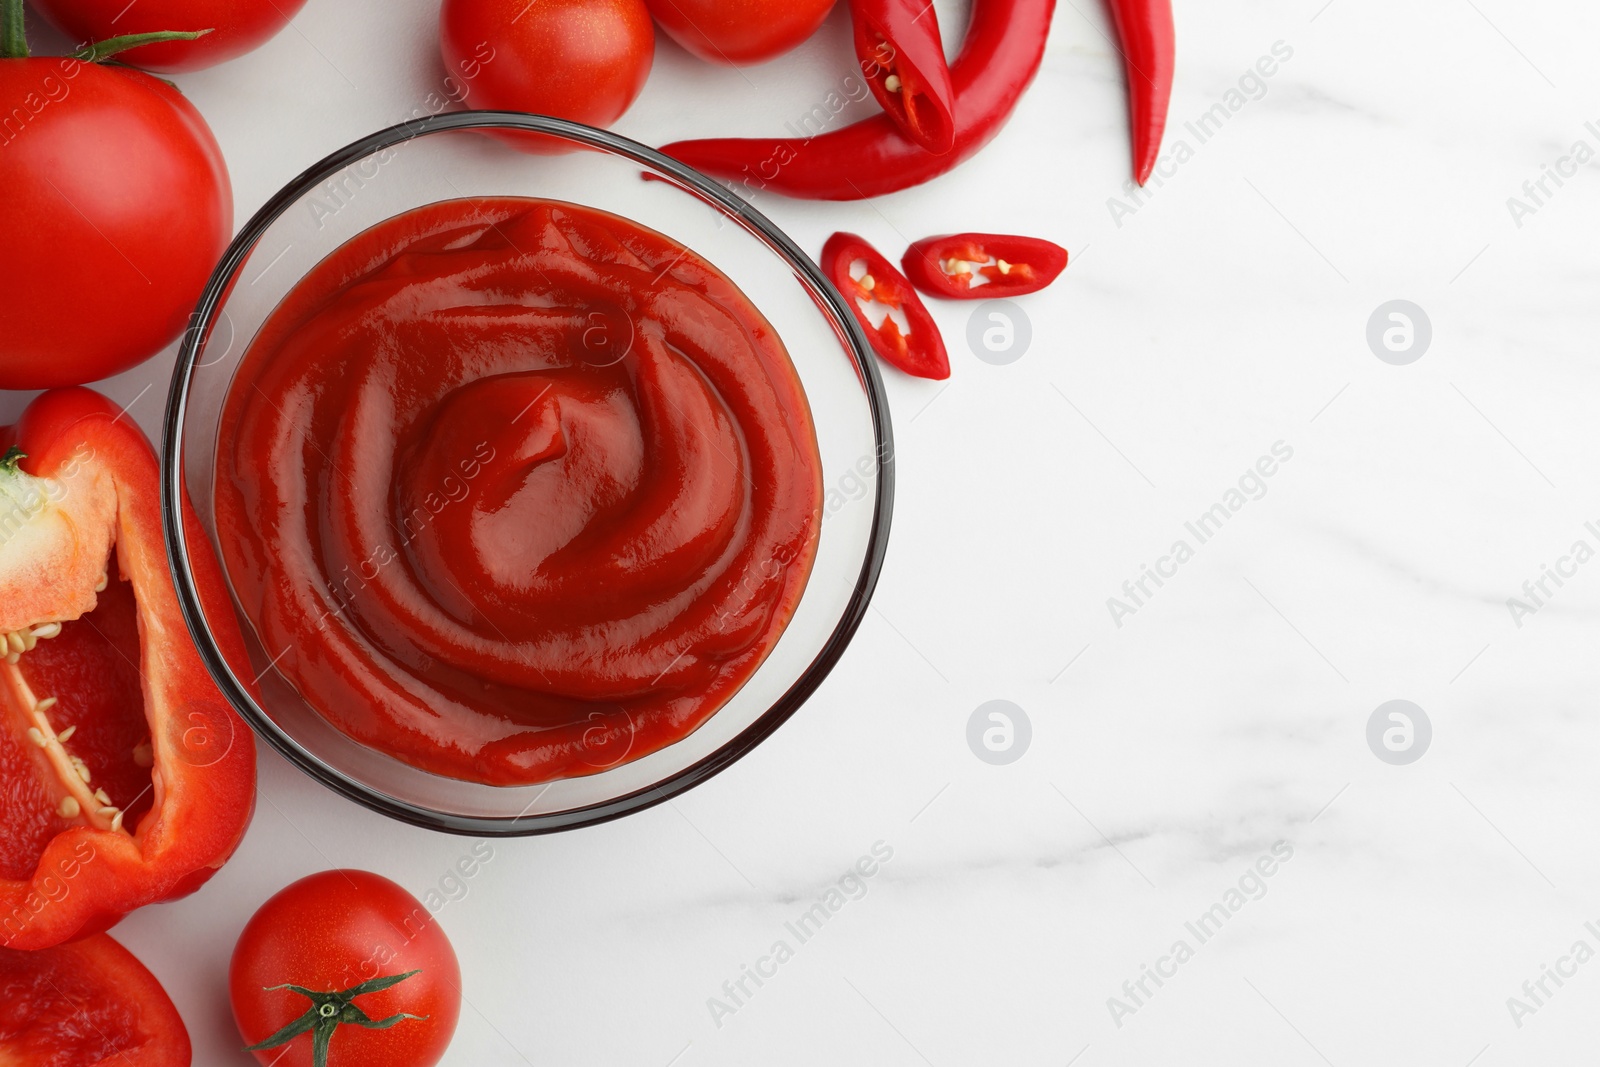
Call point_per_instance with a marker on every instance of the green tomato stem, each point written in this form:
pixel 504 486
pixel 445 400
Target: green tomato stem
pixel 328 1011
pixel 94 53
pixel 13 34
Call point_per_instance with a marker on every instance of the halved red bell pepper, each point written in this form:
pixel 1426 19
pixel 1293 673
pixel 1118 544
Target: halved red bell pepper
pixel 902 58
pixel 88 1004
pixel 920 352
pixel 950 266
pixel 127 777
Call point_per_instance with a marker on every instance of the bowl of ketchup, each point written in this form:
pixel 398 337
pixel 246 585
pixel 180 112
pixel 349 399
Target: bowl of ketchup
pixel 543 491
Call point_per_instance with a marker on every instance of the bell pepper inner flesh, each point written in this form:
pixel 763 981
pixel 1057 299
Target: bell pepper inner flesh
pixel 76 746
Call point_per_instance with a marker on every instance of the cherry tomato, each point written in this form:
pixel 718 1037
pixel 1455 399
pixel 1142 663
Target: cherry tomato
pixel 345 961
pixel 237 27
pixel 90 1004
pixel 583 60
pixel 739 32
pixel 116 205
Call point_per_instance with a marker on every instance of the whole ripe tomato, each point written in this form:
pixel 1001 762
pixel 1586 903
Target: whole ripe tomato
pixel 739 32
pixel 237 27
pixel 345 960
pixel 90 1004
pixel 584 60
pixel 116 206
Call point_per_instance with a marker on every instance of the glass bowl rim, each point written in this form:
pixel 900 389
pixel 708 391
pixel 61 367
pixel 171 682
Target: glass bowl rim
pixel 830 301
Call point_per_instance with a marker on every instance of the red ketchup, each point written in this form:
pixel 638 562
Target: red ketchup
pixel 518 490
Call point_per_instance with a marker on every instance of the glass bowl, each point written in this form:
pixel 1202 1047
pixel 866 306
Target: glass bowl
pixel 446 157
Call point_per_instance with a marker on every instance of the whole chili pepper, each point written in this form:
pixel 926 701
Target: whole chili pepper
pixel 1148 51
pixel 902 57
pixel 127 777
pixel 1002 52
pixel 950 266
pixel 920 352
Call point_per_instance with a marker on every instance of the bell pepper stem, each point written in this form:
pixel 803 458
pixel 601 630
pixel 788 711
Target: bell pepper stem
pixel 13 33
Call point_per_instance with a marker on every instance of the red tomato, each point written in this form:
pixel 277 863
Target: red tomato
pixel 116 206
pixel 362 951
pixel 89 1004
pixel 583 60
pixel 237 27
pixel 738 32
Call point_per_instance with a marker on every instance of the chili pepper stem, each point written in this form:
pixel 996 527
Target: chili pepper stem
pixel 13 31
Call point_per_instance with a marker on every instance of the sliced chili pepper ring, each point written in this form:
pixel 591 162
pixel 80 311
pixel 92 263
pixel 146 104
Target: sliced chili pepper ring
pixel 952 265
pixel 920 352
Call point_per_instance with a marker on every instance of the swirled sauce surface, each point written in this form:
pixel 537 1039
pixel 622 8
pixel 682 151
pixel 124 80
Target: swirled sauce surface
pixel 516 489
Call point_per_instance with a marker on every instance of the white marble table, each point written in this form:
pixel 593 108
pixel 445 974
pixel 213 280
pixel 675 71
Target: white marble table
pixel 1220 724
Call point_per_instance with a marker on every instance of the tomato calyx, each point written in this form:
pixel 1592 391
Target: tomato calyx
pixel 13 33
pixel 14 38
pixel 329 1011
pixel 99 51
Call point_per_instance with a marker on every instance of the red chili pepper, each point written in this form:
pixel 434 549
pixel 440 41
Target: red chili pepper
pixel 1148 50
pixel 1004 45
pixel 920 352
pixel 127 777
pixel 949 266
pixel 902 56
